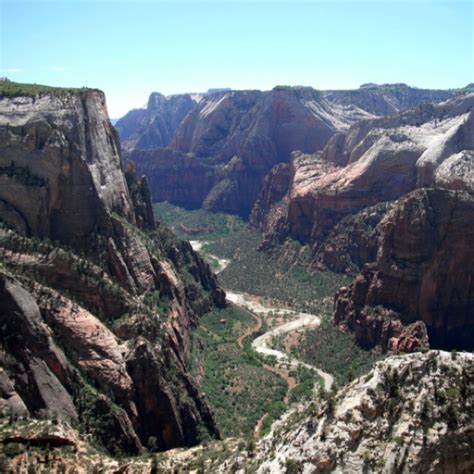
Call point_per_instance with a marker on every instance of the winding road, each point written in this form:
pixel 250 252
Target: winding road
pixel 263 344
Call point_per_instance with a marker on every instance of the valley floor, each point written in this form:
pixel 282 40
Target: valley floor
pixel 288 305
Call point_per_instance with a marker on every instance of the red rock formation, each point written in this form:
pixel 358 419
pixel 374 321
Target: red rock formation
pixel 353 242
pixel 112 282
pixel 424 272
pixel 376 161
pixel 237 136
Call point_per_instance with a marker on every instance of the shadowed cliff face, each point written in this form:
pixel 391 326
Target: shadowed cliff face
pixel 424 272
pixel 95 326
pixel 235 137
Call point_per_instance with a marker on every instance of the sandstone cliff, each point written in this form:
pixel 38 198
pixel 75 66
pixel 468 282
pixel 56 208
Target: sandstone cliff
pixel 374 161
pixel 424 272
pixel 237 136
pixel 97 299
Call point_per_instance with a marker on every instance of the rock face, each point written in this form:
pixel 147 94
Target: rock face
pixel 95 326
pixel 376 161
pixel 411 413
pixel 272 203
pixel 154 126
pixel 60 169
pixel 238 136
pixel 424 273
pixel 353 242
pixel 167 169
pixel 36 366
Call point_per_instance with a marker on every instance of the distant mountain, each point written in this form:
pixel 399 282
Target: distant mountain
pixel 236 137
pixel 396 193
pixel 155 126
pixel 374 161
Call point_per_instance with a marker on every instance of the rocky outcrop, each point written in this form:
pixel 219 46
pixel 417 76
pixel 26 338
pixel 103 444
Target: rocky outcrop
pixel 353 242
pixel 60 171
pixel 424 273
pixel 154 126
pixel 411 413
pixel 36 376
pixel 376 161
pixel 92 284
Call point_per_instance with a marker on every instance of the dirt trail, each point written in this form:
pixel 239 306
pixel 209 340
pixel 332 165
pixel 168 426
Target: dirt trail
pixel 250 331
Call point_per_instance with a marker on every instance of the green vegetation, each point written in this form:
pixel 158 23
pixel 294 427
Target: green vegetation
pixel 334 352
pixel 306 379
pixel 239 389
pixel 275 410
pixel 253 271
pixel 259 273
pixel 197 224
pixel 284 278
pixel 15 89
pixel 100 418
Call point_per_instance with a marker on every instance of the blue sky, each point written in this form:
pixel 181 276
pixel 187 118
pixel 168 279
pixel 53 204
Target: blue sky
pixel 131 48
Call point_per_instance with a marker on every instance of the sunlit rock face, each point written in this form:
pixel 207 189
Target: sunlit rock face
pixel 375 161
pixel 409 414
pixel 235 137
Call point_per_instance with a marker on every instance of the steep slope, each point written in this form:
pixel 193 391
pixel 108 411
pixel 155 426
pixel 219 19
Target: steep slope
pixel 424 272
pixel 411 413
pixel 95 326
pixel 154 126
pixel 375 161
pixel 242 134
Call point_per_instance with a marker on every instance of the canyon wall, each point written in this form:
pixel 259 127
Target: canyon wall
pixel 235 137
pixel 97 299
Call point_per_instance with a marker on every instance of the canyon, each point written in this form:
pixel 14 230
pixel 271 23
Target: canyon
pixel 103 346
pixel 327 168
pixel 232 139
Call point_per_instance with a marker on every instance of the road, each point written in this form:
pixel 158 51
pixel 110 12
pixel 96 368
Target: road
pixel 263 344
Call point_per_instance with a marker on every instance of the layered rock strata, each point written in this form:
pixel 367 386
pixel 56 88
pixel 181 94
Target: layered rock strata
pixel 97 299
pixel 235 137
pixel 423 273
pixel 375 161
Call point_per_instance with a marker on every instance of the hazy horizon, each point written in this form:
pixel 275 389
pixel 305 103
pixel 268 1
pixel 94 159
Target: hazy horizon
pixel 130 49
